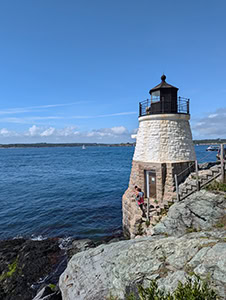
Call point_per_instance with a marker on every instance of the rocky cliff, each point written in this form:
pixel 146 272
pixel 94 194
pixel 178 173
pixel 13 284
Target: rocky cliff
pixel 190 240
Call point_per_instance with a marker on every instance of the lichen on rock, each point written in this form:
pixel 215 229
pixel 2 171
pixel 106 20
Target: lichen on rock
pixel 169 256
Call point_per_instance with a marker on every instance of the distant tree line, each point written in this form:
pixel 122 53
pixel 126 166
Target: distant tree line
pixel 43 145
pixel 210 141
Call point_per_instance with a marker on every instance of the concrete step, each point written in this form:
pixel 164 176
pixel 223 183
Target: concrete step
pixel 216 168
pixel 154 220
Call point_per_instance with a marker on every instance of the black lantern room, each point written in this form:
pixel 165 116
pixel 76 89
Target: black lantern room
pixel 164 97
pixel 164 100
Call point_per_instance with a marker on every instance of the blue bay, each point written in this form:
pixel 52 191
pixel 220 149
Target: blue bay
pixel 65 191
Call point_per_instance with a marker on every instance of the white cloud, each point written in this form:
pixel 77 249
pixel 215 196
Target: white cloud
pixel 69 134
pixel 48 132
pixel 68 131
pixel 119 130
pixel 211 126
pixel 113 132
pixel 104 116
pixel 33 119
pixel 5 132
pixel 28 120
pixel 33 131
pixel 212 116
pixel 20 110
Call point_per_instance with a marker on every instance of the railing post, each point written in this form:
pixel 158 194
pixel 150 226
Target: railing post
pixel 148 207
pixel 222 163
pixel 188 106
pixel 139 109
pixel 197 175
pixel 177 188
pixel 179 105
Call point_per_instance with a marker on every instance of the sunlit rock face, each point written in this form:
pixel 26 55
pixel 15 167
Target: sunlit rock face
pixel 168 256
pixel 118 268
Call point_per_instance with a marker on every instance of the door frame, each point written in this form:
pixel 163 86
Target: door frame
pixel 147 185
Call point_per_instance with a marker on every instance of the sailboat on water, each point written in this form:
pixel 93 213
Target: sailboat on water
pixel 83 147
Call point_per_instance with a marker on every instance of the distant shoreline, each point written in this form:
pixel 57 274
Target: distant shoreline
pixel 48 145
pixel 209 142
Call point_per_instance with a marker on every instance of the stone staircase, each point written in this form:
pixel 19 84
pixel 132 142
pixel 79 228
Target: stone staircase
pixel 158 210
pixel 205 177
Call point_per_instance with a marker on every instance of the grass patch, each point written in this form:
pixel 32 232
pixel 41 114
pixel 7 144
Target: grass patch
pixel 52 286
pixel 112 297
pixel 210 244
pixel 11 270
pixel 221 223
pixel 192 289
pixel 191 229
pixel 140 230
pixel 216 186
pixel 147 223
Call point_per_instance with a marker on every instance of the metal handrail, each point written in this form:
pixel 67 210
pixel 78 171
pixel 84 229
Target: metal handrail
pixel 179 105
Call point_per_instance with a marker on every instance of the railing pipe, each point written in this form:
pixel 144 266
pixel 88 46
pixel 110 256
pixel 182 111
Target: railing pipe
pixel 197 175
pixel 140 108
pixel 177 188
pixel 159 106
pixel 148 209
pixel 222 163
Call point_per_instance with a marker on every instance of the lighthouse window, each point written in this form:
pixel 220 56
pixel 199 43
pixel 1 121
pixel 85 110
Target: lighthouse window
pixel 155 96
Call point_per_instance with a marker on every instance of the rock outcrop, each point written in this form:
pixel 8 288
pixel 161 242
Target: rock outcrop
pixel 118 268
pixel 168 256
pixel 23 263
pixel 200 211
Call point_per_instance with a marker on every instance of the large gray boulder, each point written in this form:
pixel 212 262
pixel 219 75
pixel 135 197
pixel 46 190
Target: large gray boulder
pixel 117 268
pixel 187 241
pixel 200 211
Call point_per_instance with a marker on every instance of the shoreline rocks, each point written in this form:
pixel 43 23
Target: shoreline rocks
pixel 30 268
pixel 24 263
pixel 200 211
pixel 190 239
pixel 118 268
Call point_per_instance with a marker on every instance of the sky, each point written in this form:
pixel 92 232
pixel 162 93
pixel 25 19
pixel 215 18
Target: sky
pixel 75 70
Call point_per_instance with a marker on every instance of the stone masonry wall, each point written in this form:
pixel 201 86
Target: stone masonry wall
pixel 164 138
pixel 163 144
pixel 165 189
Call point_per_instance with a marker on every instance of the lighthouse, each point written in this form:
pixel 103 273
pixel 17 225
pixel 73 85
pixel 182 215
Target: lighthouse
pixel 164 147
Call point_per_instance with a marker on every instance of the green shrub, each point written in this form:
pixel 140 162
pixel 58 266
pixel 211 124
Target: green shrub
pixel 216 186
pixel 112 297
pixel 140 229
pixel 147 223
pixel 11 270
pixel 52 286
pixel 192 289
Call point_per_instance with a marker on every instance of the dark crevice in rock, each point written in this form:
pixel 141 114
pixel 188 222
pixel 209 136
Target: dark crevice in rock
pixel 198 216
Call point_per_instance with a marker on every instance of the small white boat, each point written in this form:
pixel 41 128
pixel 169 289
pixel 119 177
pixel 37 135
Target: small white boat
pixel 212 148
pixel 83 147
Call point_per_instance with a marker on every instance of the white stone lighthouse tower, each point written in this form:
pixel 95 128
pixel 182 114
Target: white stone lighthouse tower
pixel 164 147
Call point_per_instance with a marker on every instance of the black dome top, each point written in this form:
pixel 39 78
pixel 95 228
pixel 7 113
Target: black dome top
pixel 163 84
pixel 163 77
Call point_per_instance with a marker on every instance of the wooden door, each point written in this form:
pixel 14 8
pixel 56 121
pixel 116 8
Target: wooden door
pixel 150 184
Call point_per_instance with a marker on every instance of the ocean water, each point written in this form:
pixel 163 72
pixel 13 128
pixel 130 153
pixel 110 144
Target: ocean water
pixel 48 192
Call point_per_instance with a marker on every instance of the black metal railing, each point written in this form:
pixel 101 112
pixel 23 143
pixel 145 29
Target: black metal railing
pixel 178 105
